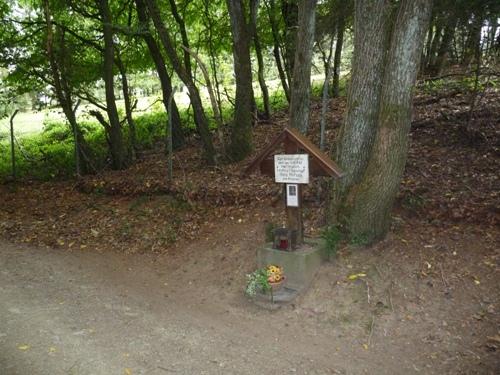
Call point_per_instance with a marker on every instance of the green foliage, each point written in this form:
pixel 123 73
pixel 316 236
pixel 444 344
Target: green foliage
pixel 362 239
pixel 50 154
pixel 150 128
pixel 332 236
pixel 257 281
pixel 277 100
pixel 464 85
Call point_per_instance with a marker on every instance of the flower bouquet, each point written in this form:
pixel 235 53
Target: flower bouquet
pixel 266 279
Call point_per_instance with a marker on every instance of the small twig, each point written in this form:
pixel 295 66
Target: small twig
pixel 378 271
pixel 367 291
pixel 371 330
pixel 442 276
pixel 390 298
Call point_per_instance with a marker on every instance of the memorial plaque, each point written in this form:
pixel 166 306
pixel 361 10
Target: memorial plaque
pixel 291 168
pixel 292 196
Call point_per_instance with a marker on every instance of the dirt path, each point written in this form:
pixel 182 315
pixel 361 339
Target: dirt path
pixel 184 313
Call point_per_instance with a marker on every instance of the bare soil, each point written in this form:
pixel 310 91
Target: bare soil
pixel 428 304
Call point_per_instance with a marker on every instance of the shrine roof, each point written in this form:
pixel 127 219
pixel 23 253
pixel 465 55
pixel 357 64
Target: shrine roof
pixel 324 165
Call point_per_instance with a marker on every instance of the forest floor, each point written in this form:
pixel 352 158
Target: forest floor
pixel 124 273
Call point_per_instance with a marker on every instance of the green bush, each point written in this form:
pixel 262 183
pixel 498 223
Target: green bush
pixel 50 153
pixel 332 236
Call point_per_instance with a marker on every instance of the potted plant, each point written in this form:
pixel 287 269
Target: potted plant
pixel 264 280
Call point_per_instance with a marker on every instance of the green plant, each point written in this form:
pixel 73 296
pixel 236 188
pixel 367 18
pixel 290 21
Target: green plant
pixel 361 239
pixel 257 281
pixel 332 236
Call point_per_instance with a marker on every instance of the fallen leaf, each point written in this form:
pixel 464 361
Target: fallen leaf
pixel 127 371
pixel 355 276
pixel 23 347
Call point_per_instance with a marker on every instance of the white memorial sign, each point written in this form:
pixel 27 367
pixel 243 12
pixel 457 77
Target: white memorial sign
pixel 291 169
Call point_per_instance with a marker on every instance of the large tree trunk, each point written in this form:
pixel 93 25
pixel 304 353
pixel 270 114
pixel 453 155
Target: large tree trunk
pixel 357 133
pixel 165 81
pixel 241 133
pixel 199 114
pixel 117 146
pixel 370 202
pixel 301 82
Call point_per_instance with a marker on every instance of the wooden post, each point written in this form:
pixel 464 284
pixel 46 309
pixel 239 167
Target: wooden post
pixel 294 217
pixel 294 214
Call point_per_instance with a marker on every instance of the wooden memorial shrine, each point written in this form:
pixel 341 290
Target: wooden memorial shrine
pixel 300 160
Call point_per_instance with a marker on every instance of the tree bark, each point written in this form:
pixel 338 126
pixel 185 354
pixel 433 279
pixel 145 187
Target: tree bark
pixel 357 133
pixel 371 201
pixel 165 80
pixel 199 114
pixel 117 146
pixel 241 132
pixel 301 82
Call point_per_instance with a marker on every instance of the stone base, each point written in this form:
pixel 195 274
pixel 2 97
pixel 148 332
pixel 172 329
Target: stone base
pixel 274 301
pixel 300 266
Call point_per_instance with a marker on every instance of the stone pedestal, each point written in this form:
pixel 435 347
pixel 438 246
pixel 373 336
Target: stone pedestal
pixel 300 266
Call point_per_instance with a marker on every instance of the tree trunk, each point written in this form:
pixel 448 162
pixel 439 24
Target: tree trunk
pixel 63 94
pixel 357 133
pixel 241 132
pixel 12 145
pixel 199 114
pixel 444 47
pixel 115 130
pixel 473 39
pixel 370 203
pixel 213 56
pixel 301 82
pixel 128 106
pixel 290 13
pixel 276 49
pixel 165 81
pixel 436 41
pixel 337 59
pixel 260 62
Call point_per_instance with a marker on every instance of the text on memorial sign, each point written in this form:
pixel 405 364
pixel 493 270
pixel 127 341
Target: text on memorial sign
pixel 292 168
